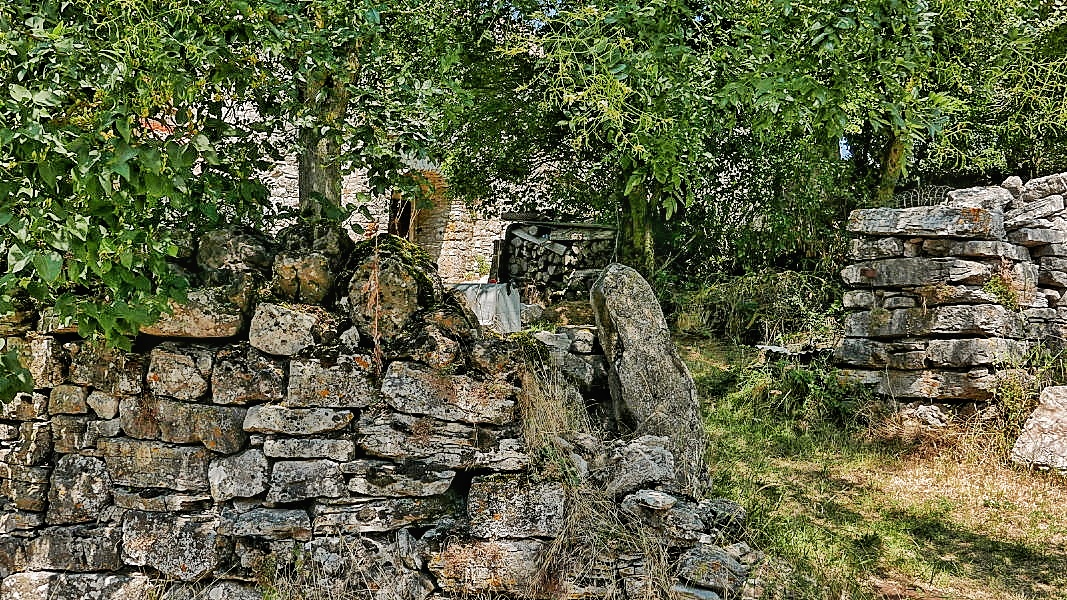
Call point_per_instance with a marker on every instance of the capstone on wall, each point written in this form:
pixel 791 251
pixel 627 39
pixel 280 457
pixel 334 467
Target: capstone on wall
pixel 946 300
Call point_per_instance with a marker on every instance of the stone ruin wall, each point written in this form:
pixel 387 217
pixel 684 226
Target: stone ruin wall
pixel 281 427
pixel 455 235
pixel 944 300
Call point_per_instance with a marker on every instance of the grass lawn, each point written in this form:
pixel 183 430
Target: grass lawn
pixel 867 508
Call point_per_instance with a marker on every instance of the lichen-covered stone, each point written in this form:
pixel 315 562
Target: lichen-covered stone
pixel 239 476
pixel 184 547
pixel 874 248
pixel 1030 237
pixel 977 384
pixel 181 372
pixel 271 418
pixel 412 389
pixel 79 548
pixel 905 272
pixel 510 506
pixel 347 383
pixel 70 433
pixel 338 450
pixel 25 487
pixel 292 480
pixel 243 374
pixel 209 313
pixel 219 428
pixel 81 488
pixel 370 515
pixel 137 415
pixel 647 460
pixel 1027 214
pixel 449 444
pixel 303 276
pixel 929 221
pixel 152 464
pixel 409 478
pixel 507 566
pixel 38 585
pixel 712 568
pixel 272 523
pixel 391 283
pixel 974 249
pixel 44 357
pixel 15 520
pixel 991 198
pixel 649 383
pixel 31 447
pixel 155 500
pixel 978 320
pixel 286 330
pixel 1043 441
pixel 106 406
pixel 1042 187
pixel 229 250
pixel 106 369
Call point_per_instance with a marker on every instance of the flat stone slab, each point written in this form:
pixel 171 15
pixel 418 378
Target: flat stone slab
pixel 413 389
pixel 406 479
pixel 908 272
pixel 347 383
pixel 271 418
pixel 292 480
pixel 977 384
pixel 207 314
pixel 509 506
pixel 921 354
pixel 271 523
pixel 180 546
pixel 929 221
pixel 1043 441
pixel 139 463
pixel 449 444
pixel 239 476
pixel 975 320
pixel 38 585
pixel 509 566
pixel 371 515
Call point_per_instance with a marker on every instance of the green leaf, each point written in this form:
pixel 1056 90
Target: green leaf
pixel 49 266
pixel 19 93
pixel 47 172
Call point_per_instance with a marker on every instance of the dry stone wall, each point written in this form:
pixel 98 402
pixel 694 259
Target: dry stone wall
pixel 946 299
pixel 372 443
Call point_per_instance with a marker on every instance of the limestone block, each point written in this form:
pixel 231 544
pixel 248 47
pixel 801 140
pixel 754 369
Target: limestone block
pixel 338 450
pixel 1036 237
pixel 25 407
pixel 152 464
pixel 894 302
pixel 106 369
pixel 184 547
pixel 587 372
pixel 242 475
pixel 993 198
pixel 17 323
pixel 906 272
pixel 509 506
pixel 106 406
pixel 181 372
pixel 974 352
pixel 94 430
pixel 80 490
pixel 582 337
pixel 975 249
pixel 389 286
pixel 347 383
pixel 292 480
pixel 243 374
pixel 209 313
pixel 941 294
pixel 981 319
pixel 860 299
pixel 449 444
pixel 302 276
pixel 710 567
pixel 977 384
pixel 723 518
pixel 432 347
pixel 271 418
pixel 138 416
pixel 32 446
pixel 219 428
pixel 383 478
pixel 271 523
pixel 79 548
pixel 1014 185
pixel 370 515
pixel 508 566
pixel 929 221
pixel 43 356
pixel 1027 214
pixel 70 433
pixel 1053 272
pixel 1042 187
pixel 38 585
pixel 874 248
pixel 280 330
pixel 557 341
pixel 232 251
pixel 631 465
pixel 863 352
pixel 25 487
pixel 413 389
pixel 1043 441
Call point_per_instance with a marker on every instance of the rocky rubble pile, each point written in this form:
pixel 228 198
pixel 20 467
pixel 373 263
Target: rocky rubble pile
pixel 945 299
pixel 346 425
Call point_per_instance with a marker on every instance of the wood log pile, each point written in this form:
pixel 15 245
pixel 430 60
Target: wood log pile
pixel 560 259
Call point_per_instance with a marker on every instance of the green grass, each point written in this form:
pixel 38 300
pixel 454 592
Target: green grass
pixel 868 507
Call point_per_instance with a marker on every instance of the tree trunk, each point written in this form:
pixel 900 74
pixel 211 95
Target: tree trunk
pixel 319 169
pixel 892 167
pixel 636 231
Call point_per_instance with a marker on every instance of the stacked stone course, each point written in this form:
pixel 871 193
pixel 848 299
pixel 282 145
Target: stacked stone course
pixel 381 449
pixel 946 299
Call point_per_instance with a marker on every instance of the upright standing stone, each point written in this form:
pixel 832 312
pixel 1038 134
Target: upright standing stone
pixel 649 383
pixel 1043 442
